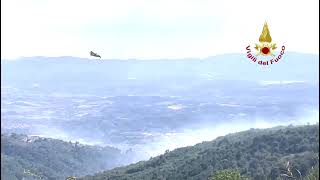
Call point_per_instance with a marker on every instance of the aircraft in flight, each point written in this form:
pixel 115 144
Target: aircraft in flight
pixel 94 54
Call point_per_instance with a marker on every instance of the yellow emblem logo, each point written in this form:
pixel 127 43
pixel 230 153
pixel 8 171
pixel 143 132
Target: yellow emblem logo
pixel 265 48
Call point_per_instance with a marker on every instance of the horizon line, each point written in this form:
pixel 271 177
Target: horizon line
pixel 141 59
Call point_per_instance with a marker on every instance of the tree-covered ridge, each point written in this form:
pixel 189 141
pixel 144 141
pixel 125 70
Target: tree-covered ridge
pixel 257 154
pixel 44 158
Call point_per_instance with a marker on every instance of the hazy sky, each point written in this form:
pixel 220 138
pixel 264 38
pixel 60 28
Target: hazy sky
pixel 150 29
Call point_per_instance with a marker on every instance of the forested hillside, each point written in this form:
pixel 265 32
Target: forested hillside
pixel 24 157
pixel 256 154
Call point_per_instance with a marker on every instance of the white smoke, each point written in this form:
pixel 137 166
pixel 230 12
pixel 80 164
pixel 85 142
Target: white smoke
pixel 190 136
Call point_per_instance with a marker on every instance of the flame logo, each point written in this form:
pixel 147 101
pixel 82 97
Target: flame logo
pixel 265 47
pixel 265 35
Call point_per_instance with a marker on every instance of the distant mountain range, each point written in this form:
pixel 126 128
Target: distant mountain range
pixel 64 71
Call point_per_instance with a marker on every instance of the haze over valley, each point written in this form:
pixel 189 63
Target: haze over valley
pixel 147 107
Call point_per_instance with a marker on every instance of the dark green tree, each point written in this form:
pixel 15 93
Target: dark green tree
pixel 228 174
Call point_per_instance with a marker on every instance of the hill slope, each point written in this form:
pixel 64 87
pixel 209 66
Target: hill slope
pixel 259 154
pixel 34 157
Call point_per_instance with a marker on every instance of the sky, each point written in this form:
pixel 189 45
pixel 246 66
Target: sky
pixel 153 29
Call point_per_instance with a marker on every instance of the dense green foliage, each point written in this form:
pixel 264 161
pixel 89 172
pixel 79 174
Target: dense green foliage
pixel 258 154
pixel 35 158
pixel 228 174
pixel 313 174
